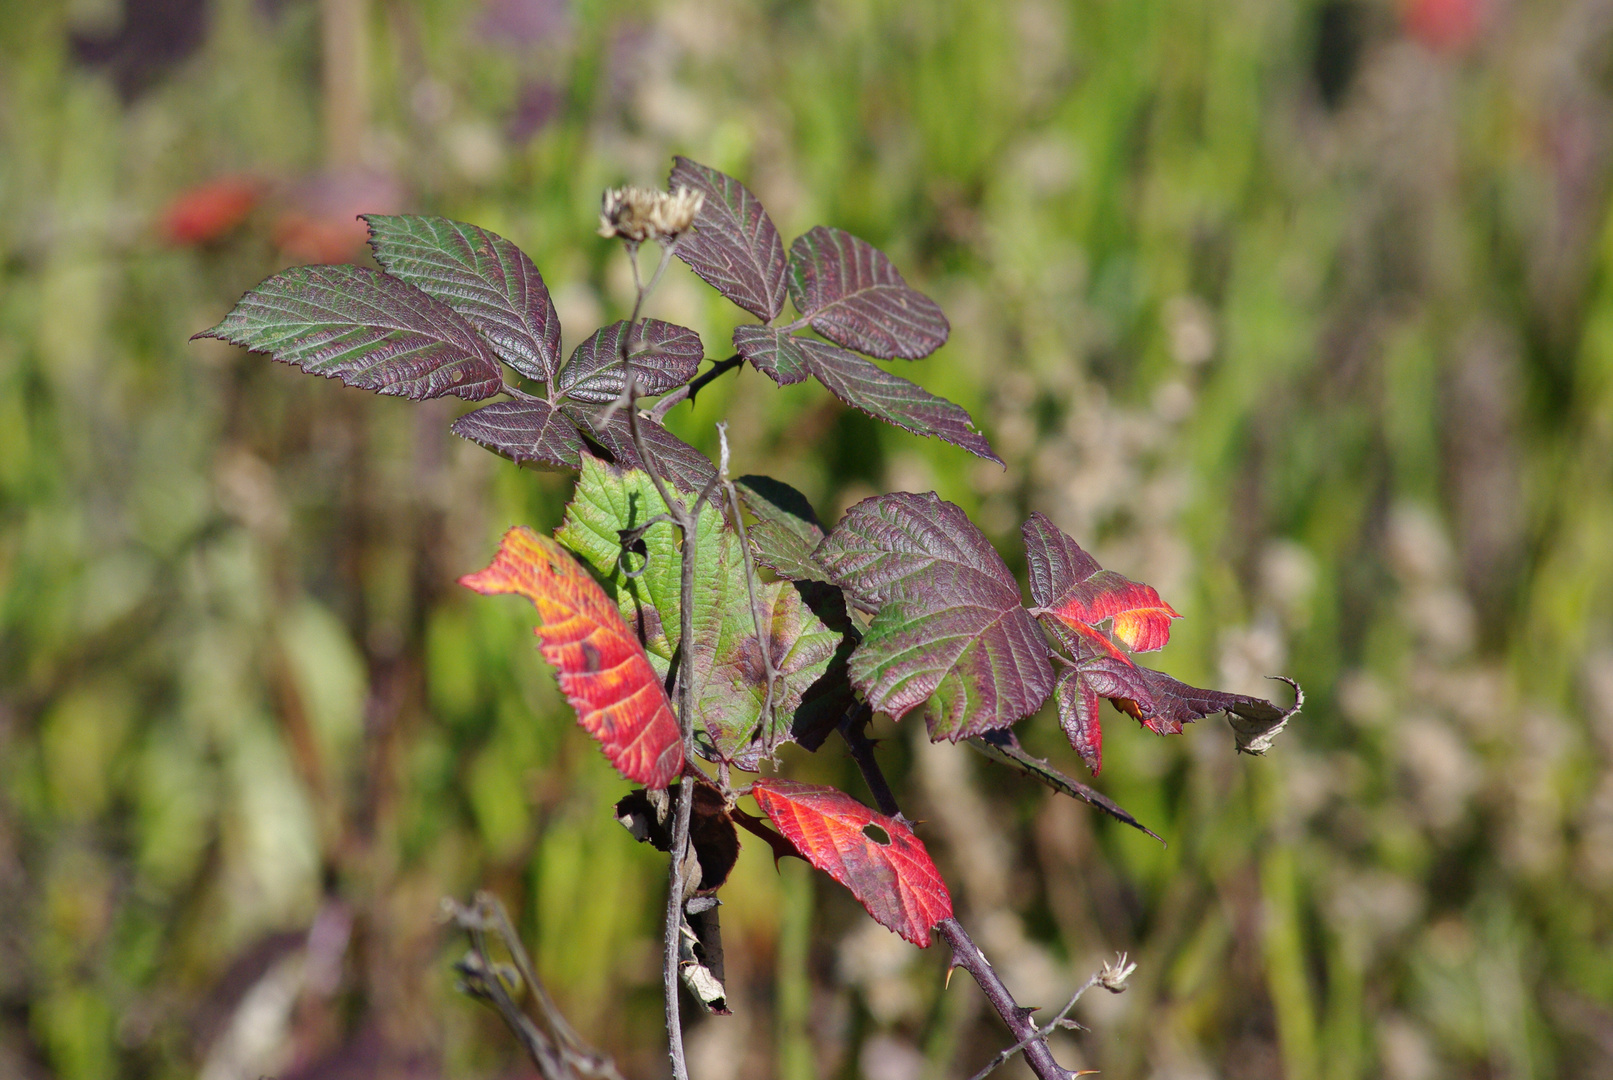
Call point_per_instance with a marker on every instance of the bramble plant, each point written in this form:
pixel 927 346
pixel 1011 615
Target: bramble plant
pixel 672 580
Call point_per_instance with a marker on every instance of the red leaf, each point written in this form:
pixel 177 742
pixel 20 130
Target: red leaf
pixel 603 670
pixel 877 857
pixel 1067 582
pixel 208 212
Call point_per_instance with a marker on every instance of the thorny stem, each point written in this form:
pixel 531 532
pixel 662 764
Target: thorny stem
pixel 853 729
pixel 684 519
pixel 965 953
pixel 764 636
pixel 689 389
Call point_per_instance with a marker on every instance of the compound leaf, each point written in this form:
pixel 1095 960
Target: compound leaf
pixel 851 294
pixel 603 670
pixel 865 385
pixel 524 431
pixel 949 633
pixel 663 356
pixel 370 330
pixel 479 274
pixel 734 247
pixel 1067 582
pixel 878 858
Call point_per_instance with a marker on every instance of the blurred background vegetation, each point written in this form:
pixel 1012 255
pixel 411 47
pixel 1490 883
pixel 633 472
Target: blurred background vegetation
pixel 1300 311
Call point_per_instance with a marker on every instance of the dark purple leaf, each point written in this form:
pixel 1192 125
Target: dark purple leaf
pixel 851 294
pixel 865 385
pixel 786 531
pixel 482 276
pixel 774 353
pixel 524 431
pixel 1004 747
pixel 1055 562
pixel 734 247
pixel 663 356
pixel 1080 691
pixel 949 633
pixel 681 464
pixel 365 328
pixel 1176 703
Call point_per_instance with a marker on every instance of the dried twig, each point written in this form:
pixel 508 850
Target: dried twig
pixel 554 1047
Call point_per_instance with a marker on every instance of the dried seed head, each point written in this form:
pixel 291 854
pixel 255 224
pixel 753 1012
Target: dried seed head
pixel 1114 975
pixel 640 214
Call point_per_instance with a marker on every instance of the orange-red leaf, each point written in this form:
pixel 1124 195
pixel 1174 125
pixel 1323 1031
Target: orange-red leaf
pixel 877 857
pixel 1066 582
pixel 603 670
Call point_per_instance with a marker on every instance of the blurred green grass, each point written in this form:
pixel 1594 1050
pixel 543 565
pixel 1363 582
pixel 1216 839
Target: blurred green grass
pixel 1281 307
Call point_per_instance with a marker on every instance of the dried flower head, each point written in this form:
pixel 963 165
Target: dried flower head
pixel 1114 975
pixel 640 214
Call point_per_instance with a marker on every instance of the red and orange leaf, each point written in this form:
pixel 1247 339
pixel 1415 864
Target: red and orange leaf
pixel 1066 582
pixel 603 670
pixel 878 858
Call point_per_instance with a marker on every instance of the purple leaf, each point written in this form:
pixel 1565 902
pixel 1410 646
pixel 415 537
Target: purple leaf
pixel 774 353
pixel 734 247
pixel 1080 691
pixel 1176 703
pixel 663 356
pixel 1055 562
pixel 482 276
pixel 949 633
pixel 681 465
pixel 865 385
pixel 365 328
pixel 851 294
pixel 524 431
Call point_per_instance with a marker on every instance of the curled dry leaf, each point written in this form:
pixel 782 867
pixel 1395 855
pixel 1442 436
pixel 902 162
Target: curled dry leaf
pixel 603 670
pixel 878 858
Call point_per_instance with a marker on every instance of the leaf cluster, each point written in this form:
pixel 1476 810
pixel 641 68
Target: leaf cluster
pixel 902 607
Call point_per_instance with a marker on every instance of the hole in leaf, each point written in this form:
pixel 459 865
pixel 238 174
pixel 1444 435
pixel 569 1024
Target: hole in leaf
pixel 876 834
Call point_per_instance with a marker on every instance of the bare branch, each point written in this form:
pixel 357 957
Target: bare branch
pixel 559 1053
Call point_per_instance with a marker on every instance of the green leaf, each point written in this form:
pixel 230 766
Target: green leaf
pixel 730 687
pixel 479 274
pixel 786 531
pixel 365 328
